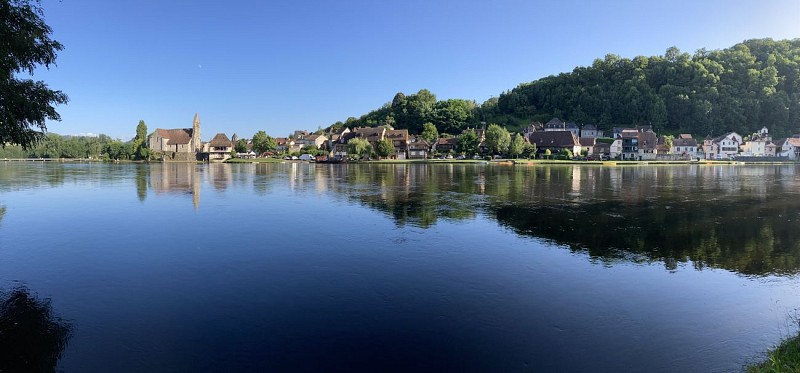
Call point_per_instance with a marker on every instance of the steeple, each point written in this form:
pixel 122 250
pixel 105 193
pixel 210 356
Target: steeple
pixel 197 142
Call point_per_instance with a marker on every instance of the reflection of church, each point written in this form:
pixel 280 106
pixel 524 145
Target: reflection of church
pixel 182 178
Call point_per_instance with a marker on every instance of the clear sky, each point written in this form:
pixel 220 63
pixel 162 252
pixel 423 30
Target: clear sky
pixel 281 65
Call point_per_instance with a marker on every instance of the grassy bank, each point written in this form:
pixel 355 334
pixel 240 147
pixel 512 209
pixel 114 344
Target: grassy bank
pixel 785 358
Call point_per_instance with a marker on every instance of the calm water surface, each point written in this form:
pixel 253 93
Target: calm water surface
pixel 302 267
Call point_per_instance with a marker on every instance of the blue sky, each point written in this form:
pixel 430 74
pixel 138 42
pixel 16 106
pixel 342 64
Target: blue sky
pixel 282 65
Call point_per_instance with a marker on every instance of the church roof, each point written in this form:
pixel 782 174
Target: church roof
pixel 177 135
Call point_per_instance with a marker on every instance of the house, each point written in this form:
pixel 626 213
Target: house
pixel 684 145
pixel 315 141
pixel 756 145
pixel 615 150
pixel 555 141
pixel 446 145
pixel 399 140
pixel 418 148
pixel 183 143
pixel 219 148
pixel 722 147
pixel 555 124
pixel 648 143
pixel 587 145
pixel 601 150
pixel 630 144
pixel 789 148
pixel 589 130
pixel 283 144
pixel 572 127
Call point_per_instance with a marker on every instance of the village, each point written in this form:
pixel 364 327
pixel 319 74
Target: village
pixel 567 140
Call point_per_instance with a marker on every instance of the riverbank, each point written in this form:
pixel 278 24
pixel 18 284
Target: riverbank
pixel 253 160
pixel 784 358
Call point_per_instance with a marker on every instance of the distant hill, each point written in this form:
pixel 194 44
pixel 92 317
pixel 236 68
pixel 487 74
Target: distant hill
pixel 742 88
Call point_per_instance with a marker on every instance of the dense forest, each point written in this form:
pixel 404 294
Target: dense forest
pixel 752 84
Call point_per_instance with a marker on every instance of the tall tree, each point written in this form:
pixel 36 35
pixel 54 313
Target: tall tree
pixel 25 104
pixel 359 148
pixel 263 143
pixel 429 133
pixel 384 148
pixel 467 143
pixel 139 142
pixel 517 146
pixel 497 139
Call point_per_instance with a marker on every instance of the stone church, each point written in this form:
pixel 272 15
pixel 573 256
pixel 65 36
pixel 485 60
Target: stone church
pixel 179 144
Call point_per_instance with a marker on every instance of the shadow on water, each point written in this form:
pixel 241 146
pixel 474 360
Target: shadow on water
pixel 32 338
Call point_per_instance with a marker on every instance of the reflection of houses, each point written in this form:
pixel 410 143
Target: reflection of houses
pixel 555 141
pixel 177 144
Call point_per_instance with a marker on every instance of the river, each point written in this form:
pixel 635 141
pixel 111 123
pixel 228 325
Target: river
pixel 407 267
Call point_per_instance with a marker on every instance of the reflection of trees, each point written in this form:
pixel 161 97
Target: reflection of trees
pixel 32 339
pixel 141 182
pixel 415 195
pixel 719 226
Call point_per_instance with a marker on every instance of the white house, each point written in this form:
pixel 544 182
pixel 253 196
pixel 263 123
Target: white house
pixel 722 147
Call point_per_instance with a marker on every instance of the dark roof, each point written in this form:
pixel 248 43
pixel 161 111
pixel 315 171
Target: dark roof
pixel 554 139
pixel 347 137
pixel 587 141
pixel 647 140
pixel 680 141
pixel 589 127
pixel 176 136
pixel 370 134
pixel 554 121
pixel 220 140
pixel 447 141
pixel 397 134
pixel 571 125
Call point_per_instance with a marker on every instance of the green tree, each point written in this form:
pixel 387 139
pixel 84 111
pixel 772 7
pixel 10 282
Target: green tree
pixel 517 146
pixel 467 143
pixel 429 133
pixel 384 148
pixel 497 139
pixel 529 151
pixel 668 141
pixel 359 148
pixel 25 104
pixel 263 143
pixel 241 146
pixel 547 153
pixel 139 142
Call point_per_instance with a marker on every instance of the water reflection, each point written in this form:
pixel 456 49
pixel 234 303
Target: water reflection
pixel 32 338
pixel 180 178
pixel 740 218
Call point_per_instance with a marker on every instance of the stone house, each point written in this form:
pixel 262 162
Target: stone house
pixel 180 143
pixel 219 148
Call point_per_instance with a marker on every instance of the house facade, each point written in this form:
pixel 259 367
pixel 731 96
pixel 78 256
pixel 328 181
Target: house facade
pixel 219 148
pixel 722 147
